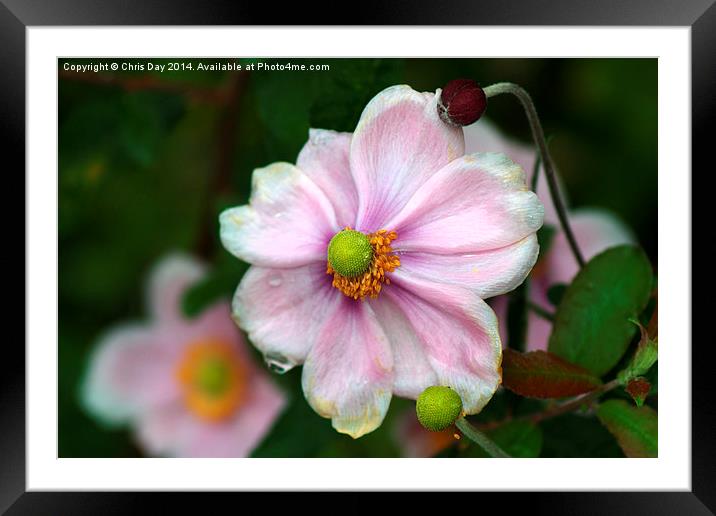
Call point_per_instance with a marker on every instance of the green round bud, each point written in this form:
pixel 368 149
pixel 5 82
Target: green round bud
pixel 438 407
pixel 350 253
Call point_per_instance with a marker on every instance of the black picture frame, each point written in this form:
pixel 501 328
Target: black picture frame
pixel 700 15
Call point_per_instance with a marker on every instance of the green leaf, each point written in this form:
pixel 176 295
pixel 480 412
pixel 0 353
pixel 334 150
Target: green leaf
pixel 555 293
pixel 539 374
pixel 576 435
pixel 592 327
pixel 644 357
pixel 345 91
pixel 635 428
pixel 517 438
pixel 653 377
pixel 283 110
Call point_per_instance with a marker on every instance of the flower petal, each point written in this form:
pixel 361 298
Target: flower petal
pixel 458 333
pixel 348 373
pixel 167 283
pixel 486 273
pixel 412 372
pixel 287 223
pixel 485 137
pixel 283 310
pixel 324 159
pixel 398 144
pixel 176 432
pixel 130 371
pixel 478 202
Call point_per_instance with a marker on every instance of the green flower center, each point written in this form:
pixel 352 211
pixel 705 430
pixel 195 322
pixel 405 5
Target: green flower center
pixel 350 253
pixel 213 376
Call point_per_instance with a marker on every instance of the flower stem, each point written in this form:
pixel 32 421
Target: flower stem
pixel 575 403
pixel 538 135
pixel 556 410
pixel 480 439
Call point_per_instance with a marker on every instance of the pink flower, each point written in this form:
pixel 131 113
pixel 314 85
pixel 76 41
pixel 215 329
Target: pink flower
pixel 595 231
pixel 396 305
pixel 187 387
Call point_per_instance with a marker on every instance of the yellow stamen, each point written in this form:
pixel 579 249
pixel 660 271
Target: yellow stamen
pixel 213 379
pixel 370 283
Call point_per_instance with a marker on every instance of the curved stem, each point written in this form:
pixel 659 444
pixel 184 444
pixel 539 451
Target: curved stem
pixel 538 135
pixel 480 439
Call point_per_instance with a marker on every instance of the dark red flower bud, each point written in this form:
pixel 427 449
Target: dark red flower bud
pixel 462 102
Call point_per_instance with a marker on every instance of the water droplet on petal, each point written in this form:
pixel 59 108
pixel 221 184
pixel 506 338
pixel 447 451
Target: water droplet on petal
pixel 278 363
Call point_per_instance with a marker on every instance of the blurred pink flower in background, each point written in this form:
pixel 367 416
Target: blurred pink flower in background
pixel 187 387
pixel 594 229
pixel 434 232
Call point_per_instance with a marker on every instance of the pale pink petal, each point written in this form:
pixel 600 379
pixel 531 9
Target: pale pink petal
pixel 167 283
pixel 324 159
pixel 484 136
pixel 175 431
pixel 538 328
pixel 595 231
pixel 486 273
pixel 161 432
pixel 398 144
pixel 131 371
pixel 283 310
pixel 216 323
pixel 240 435
pixel 287 223
pixel 348 374
pixel 499 305
pixel 459 335
pixel 477 203
pixel 412 372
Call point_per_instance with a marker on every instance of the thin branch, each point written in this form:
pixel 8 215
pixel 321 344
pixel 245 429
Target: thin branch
pixel 543 313
pixel 557 410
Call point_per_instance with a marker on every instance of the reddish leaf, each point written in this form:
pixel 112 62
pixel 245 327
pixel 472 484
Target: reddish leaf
pixel 638 389
pixel 540 374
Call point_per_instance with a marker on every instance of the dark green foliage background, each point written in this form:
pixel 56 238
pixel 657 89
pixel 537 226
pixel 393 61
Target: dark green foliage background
pixel 136 170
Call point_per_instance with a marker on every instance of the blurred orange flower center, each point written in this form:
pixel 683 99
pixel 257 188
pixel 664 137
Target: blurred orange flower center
pixel 213 379
pixel 370 282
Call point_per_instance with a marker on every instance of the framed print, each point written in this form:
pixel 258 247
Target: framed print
pixel 416 258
